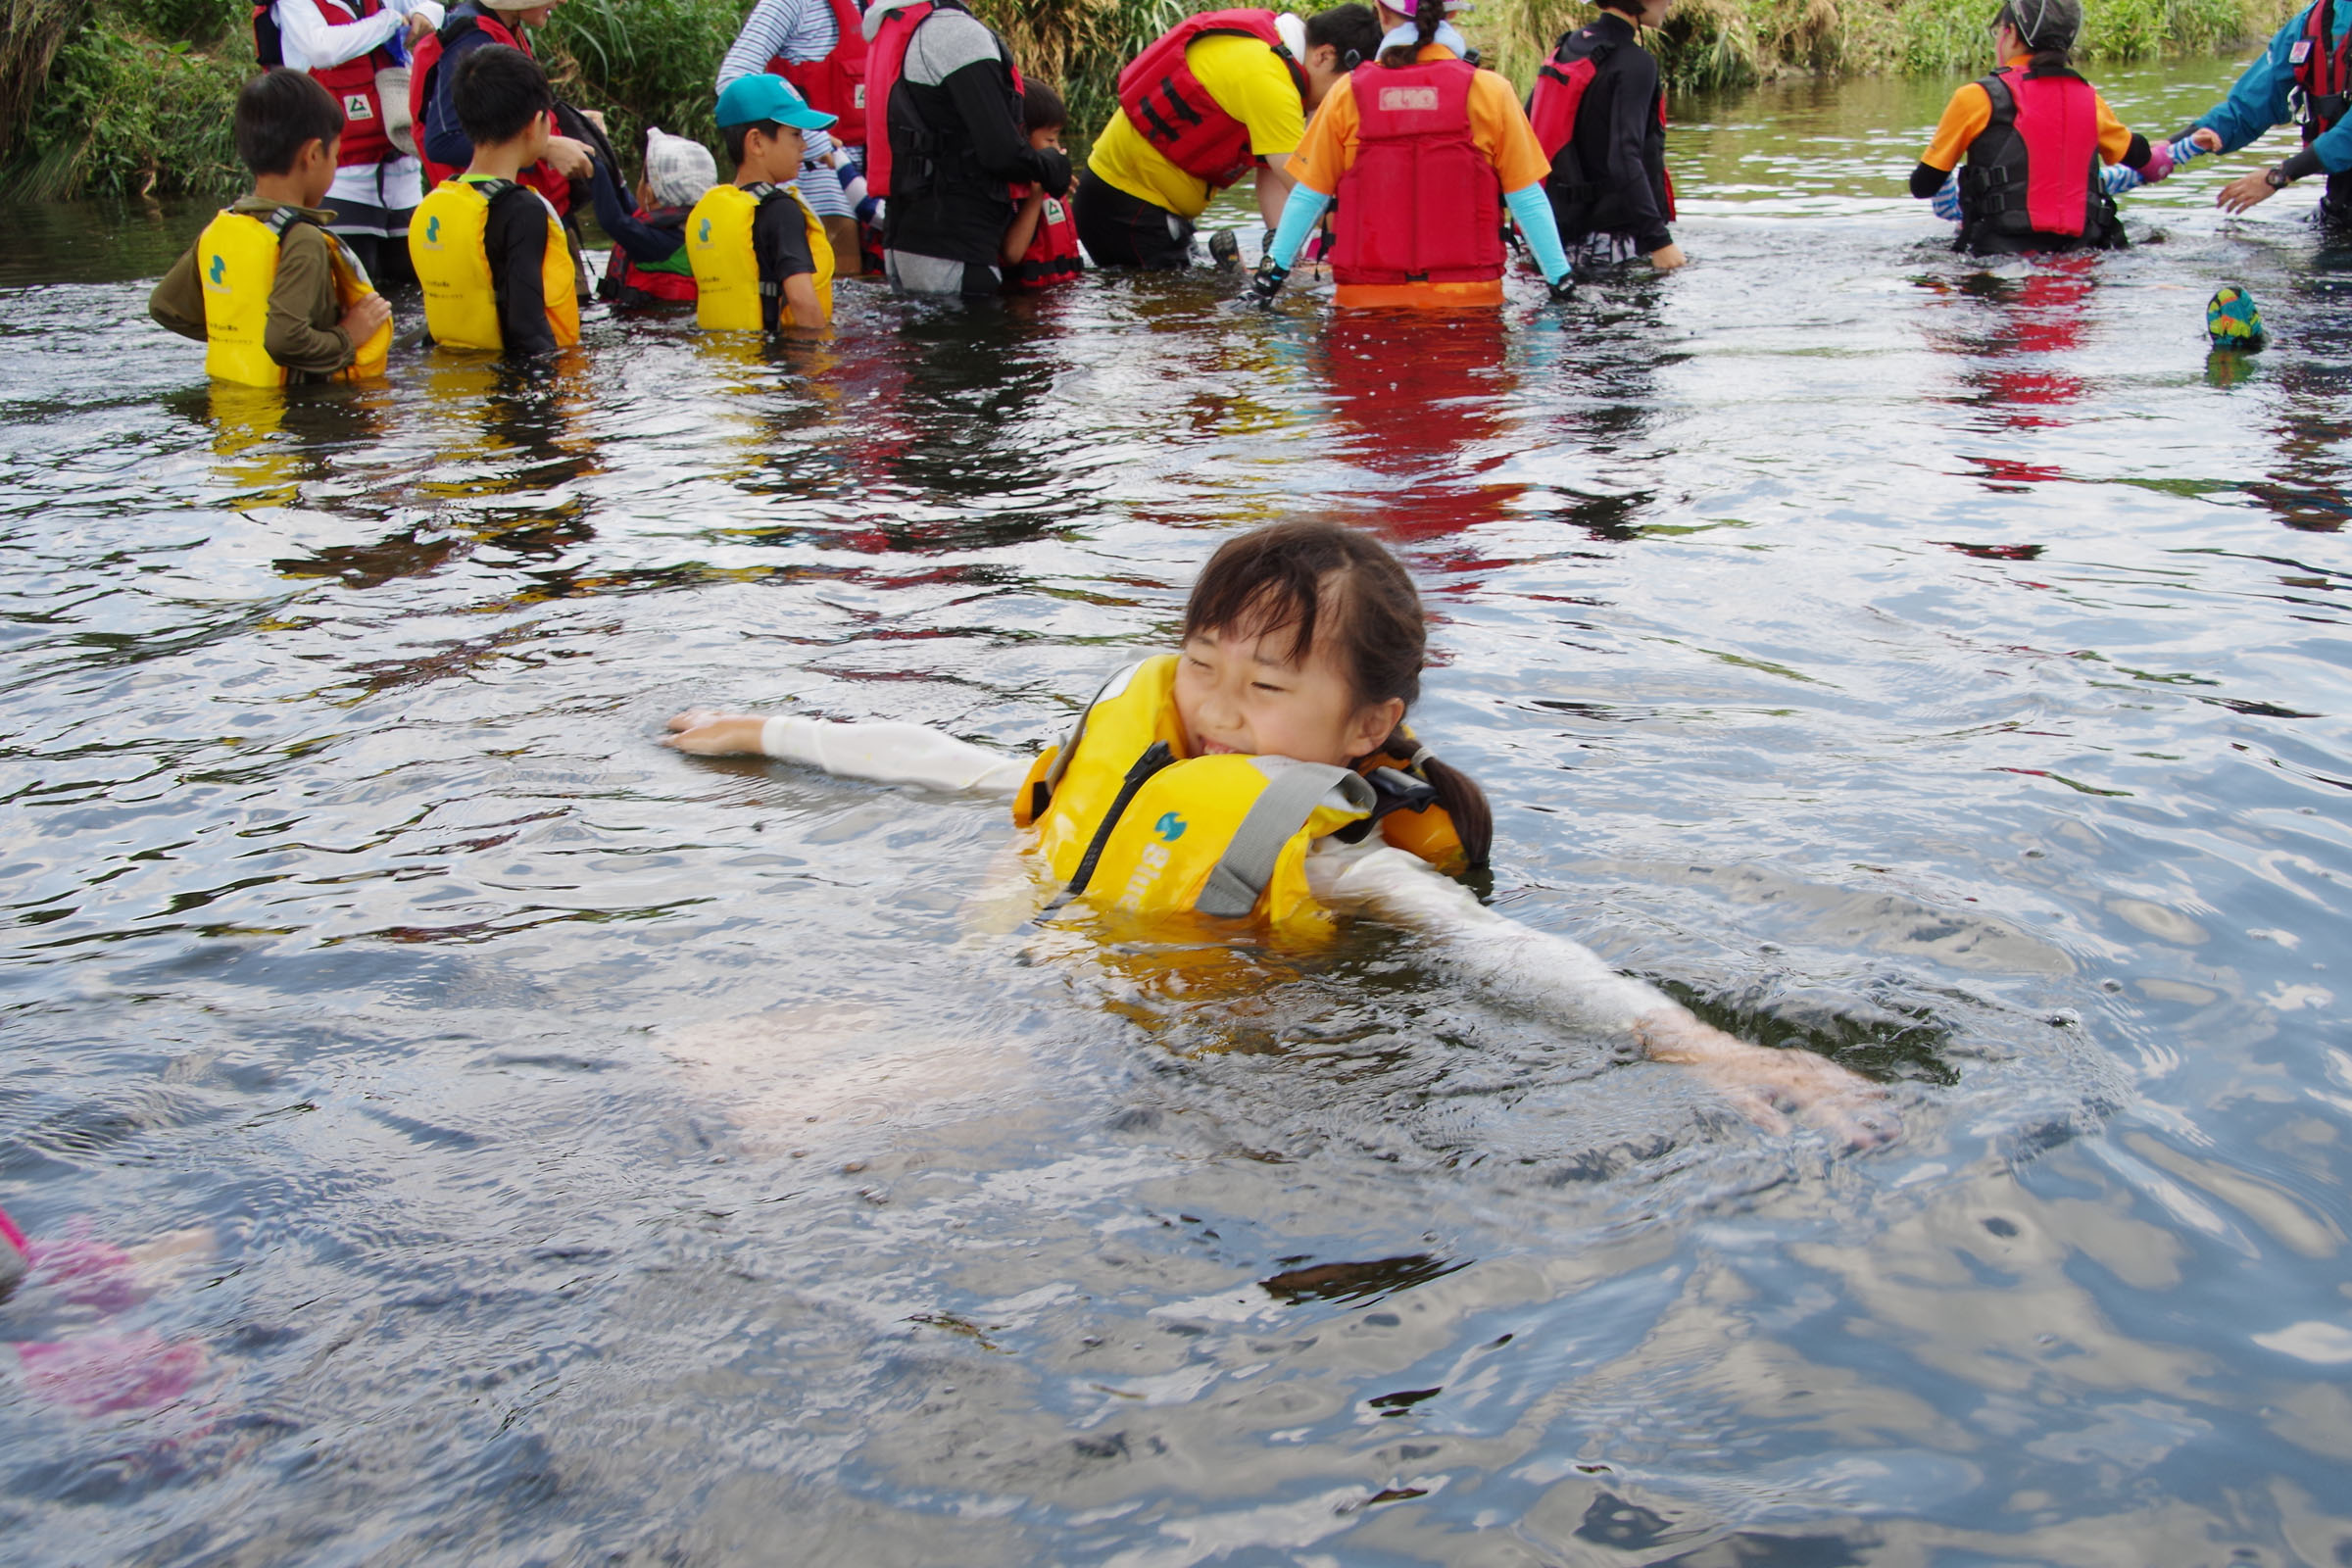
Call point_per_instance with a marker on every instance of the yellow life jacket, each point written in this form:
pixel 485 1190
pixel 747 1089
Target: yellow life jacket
pixel 236 262
pixel 1133 825
pixel 728 287
pixel 447 243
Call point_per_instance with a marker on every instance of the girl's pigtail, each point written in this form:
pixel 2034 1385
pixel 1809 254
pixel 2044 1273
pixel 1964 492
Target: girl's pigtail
pixel 1466 804
pixel 1457 791
pixel 1428 16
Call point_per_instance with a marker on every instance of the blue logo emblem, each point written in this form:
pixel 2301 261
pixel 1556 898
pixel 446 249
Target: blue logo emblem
pixel 220 266
pixel 433 229
pixel 1170 827
pixel 705 234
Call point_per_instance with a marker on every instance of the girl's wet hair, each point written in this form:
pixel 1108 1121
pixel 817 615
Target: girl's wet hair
pixel 1334 585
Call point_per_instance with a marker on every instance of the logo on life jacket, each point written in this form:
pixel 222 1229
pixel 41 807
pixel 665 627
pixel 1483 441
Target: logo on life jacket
pixel 2299 53
pixel 704 236
pixel 1397 100
pixel 355 107
pixel 1170 827
pixel 220 266
pixel 433 229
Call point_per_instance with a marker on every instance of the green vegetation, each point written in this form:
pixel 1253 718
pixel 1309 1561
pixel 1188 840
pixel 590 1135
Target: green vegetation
pixel 90 103
pixel 117 97
pixel 1731 43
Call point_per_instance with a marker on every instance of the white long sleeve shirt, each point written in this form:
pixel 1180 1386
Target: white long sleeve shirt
pixel 1563 979
pixel 312 43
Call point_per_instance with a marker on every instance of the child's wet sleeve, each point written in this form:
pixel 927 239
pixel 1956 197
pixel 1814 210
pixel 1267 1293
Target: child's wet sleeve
pixel 302 334
pixel 1535 968
pixel 177 303
pixel 1963 121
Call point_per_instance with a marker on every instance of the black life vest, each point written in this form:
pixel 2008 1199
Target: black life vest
pixel 2032 181
pixel 1561 85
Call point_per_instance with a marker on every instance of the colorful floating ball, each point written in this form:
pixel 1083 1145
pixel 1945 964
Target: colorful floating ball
pixel 2233 320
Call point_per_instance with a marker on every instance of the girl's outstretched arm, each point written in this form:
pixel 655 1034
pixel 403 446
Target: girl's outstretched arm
pixel 885 753
pixel 1569 981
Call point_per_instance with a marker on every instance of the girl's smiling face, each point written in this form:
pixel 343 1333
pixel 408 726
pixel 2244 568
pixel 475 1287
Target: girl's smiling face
pixel 1240 691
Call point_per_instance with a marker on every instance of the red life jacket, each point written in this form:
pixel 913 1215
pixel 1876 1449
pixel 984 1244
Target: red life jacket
pixel 836 83
pixel 2035 168
pixel 1421 203
pixel 352 83
pixel 2323 74
pixel 672 281
pixel 424 65
pixel 1053 256
pixel 1560 85
pixel 1164 100
pixel 885 63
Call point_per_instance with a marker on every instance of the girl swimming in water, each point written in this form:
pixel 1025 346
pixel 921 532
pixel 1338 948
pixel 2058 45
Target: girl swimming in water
pixel 1265 771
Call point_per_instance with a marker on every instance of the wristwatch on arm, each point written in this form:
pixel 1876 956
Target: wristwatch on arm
pixel 2276 178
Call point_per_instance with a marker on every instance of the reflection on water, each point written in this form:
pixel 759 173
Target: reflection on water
pixel 597 1154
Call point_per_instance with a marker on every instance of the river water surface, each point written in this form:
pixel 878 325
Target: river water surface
pixel 546 1149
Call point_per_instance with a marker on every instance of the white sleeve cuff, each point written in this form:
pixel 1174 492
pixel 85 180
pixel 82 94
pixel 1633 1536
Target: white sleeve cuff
pixel 891 753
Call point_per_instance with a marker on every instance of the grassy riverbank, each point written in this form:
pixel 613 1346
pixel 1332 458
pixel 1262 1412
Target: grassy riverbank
pixel 130 99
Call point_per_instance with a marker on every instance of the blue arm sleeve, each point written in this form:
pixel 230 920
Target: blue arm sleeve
pixel 2258 101
pixel 1300 211
pixel 616 217
pixel 1532 209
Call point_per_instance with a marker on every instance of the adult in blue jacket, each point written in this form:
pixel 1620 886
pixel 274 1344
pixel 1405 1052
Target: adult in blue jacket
pixel 2304 75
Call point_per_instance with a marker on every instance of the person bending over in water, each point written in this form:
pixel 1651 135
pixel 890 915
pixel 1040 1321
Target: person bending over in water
pixel 1266 772
pixel 2035 134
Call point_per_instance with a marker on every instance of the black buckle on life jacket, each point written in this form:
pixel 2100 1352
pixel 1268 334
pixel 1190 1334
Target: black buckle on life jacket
pixel 1392 790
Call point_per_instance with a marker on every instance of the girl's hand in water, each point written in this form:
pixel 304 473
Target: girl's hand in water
pixel 1772 1088
pixel 704 732
pixel 1666 257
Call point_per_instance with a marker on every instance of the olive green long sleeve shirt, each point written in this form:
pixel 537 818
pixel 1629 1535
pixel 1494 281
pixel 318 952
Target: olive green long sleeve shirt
pixel 301 334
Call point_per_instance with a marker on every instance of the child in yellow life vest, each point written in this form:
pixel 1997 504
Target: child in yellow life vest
pixel 273 296
pixel 761 257
pixel 1264 772
pixel 493 257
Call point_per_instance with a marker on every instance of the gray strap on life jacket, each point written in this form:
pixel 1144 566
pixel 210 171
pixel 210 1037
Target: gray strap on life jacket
pixel 1290 797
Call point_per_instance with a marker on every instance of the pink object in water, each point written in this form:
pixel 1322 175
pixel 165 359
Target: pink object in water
pixel 13 1247
pixel 83 1270
pixel 100 1373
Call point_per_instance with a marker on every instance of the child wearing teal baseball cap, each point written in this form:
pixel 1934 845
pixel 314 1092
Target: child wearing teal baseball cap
pixel 761 261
